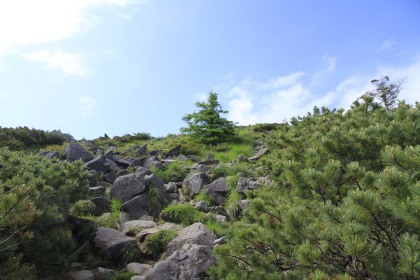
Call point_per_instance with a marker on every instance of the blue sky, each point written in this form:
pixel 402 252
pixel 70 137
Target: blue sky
pixel 89 67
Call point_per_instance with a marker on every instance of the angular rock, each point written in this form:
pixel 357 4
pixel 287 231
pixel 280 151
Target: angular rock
pixel 128 186
pixel 122 172
pixel 93 177
pixel 51 155
pixel 112 165
pixel 182 157
pixel 171 187
pixel 136 224
pixel 259 154
pixel 195 183
pixel 197 233
pixel 137 206
pixel 98 164
pixel 124 163
pixel 142 169
pixel 191 262
pixel 166 226
pixel 110 177
pixel 246 184
pixel 113 244
pixel 142 150
pixel 150 161
pixel 202 206
pixel 173 152
pixel 81 275
pixel 102 203
pixel 103 273
pixel 138 268
pixel 217 190
pixel 75 151
pixel 243 204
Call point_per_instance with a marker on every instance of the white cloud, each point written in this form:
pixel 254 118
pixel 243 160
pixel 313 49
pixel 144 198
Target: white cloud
pixel 283 97
pixel 87 105
pixel 388 44
pixel 271 101
pixel 68 63
pixel 327 69
pixel 26 22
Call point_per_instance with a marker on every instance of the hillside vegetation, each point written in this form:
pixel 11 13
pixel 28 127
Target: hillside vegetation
pixel 334 194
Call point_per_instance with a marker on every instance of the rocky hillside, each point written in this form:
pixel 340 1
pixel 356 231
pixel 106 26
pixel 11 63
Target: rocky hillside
pixel 157 214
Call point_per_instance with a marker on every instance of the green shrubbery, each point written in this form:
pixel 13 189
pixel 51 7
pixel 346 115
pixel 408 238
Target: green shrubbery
pixel 21 138
pixel 346 201
pixel 35 197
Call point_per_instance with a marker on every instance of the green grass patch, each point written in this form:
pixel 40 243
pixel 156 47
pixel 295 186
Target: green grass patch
pixel 184 214
pixel 155 244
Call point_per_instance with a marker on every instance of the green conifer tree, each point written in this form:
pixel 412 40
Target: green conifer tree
pixel 207 126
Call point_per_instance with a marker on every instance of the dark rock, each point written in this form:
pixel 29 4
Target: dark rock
pixel 93 177
pixel 182 157
pixel 51 155
pixel 148 161
pixel 142 150
pixel 173 152
pixel 171 187
pixel 110 177
pixel 75 151
pixel 102 203
pixel 124 163
pixel 80 226
pixel 247 184
pixel 142 169
pixel 195 183
pixel 137 162
pixel 98 164
pixel 122 172
pixel 128 186
pixel 137 206
pixel 114 245
pixel 112 165
pixel 217 190
pixel 202 206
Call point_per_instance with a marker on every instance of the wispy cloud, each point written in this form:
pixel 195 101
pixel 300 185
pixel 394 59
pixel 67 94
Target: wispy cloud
pixel 388 44
pixel 87 106
pixel 283 97
pixel 26 23
pixel 68 63
pixel 328 68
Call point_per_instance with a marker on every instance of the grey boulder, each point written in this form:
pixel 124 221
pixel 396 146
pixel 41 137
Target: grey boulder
pixel 114 245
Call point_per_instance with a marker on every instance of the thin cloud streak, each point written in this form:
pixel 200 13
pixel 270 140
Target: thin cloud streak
pixel 68 63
